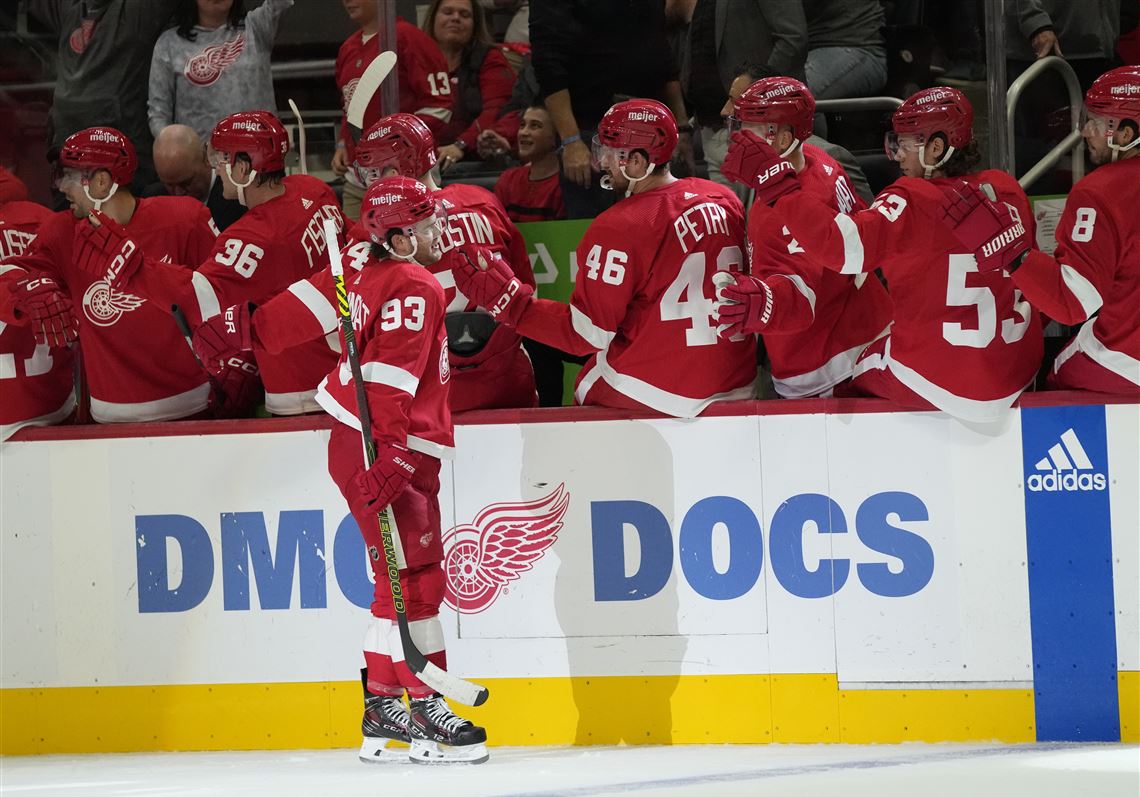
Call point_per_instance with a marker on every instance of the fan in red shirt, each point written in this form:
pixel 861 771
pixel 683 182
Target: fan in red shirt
pixel 397 318
pixel 275 243
pixel 136 362
pixel 36 325
pixel 532 192
pixel 491 368
pixel 643 299
pixel 963 339
pixel 424 85
pixel 815 322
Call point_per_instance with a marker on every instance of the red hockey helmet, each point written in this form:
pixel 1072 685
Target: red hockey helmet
pixel 100 148
pixel 640 124
pixel 779 101
pixel 939 109
pixel 1112 98
pixel 259 134
pixel 401 141
pixel 395 202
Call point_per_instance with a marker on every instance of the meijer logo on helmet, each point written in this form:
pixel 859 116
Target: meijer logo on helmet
pixel 104 135
pixel 1128 89
pixel 253 127
pixel 778 92
pixel 643 116
pixel 934 97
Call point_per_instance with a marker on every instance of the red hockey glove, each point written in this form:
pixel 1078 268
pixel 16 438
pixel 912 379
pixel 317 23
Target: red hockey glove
pixel 743 305
pixel 217 340
pixel 237 387
pixel 753 162
pixel 39 304
pixel 389 475
pixel 991 230
pixel 104 249
pixel 490 283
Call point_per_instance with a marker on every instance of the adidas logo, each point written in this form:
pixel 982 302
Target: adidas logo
pixel 689 195
pixel 306 203
pixel 1061 470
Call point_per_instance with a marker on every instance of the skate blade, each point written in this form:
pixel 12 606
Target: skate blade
pixel 383 751
pixel 431 753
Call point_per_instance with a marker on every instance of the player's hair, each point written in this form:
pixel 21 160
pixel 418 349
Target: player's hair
pixel 186 17
pixel 262 177
pixel 965 159
pixel 754 70
pixel 480 34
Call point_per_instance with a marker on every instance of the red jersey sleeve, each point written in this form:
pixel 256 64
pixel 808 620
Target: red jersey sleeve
pixel 425 86
pixel 496 79
pixel 773 256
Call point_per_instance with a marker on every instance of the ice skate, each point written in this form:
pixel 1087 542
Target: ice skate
pixel 439 736
pixel 385 729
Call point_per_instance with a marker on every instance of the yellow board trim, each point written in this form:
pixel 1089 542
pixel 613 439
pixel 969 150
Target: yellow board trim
pixel 1128 684
pixel 738 709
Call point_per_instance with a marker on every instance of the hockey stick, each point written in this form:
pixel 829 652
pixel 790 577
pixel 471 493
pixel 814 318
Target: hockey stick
pixel 184 328
pixel 300 135
pixel 365 91
pixel 449 685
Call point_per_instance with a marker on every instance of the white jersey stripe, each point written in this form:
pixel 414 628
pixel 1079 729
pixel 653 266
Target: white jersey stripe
pixel 317 304
pixel 852 244
pixel 208 305
pixel 588 331
pixel 802 287
pixel 384 374
pixel 1085 291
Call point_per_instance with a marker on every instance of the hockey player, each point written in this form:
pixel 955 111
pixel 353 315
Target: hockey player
pixel 1095 270
pixel 136 362
pixel 491 369
pixel 37 324
pixel 642 305
pixel 398 309
pixel 963 340
pixel 277 242
pixel 815 322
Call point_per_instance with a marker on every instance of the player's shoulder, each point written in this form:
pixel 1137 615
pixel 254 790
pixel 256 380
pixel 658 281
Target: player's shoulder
pixel 1004 184
pixel 170 211
pixel 403 278
pixel 22 213
pixel 59 224
pixel 1109 184
pixel 308 187
pixel 463 195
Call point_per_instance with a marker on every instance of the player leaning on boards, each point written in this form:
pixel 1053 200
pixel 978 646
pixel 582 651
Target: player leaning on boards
pixel 963 340
pixel 275 243
pixel 397 309
pixel 1095 270
pixel 642 301
pixel 815 322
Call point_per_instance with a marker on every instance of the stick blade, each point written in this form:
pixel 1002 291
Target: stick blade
pixel 366 89
pixel 452 686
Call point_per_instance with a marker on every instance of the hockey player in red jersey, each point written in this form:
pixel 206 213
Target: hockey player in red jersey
pixel 136 362
pixel 277 242
pixel 491 368
pixel 37 324
pixel 643 300
pixel 397 311
pixel 814 321
pixel 963 339
pixel 1094 274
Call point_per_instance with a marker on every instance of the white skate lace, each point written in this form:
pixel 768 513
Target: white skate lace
pixel 441 715
pixel 395 710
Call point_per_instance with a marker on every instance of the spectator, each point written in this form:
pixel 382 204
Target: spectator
pixel 183 170
pixel 135 360
pixel 531 192
pixel 584 53
pixel 847 54
pixel 481 78
pixel 1084 34
pixel 103 49
pixel 516 38
pixel 501 141
pixel 424 88
pixel 213 63
pixel 37 323
pixel 750 73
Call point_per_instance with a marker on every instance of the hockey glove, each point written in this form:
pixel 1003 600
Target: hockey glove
pixel 390 473
pixel 39 304
pixel 753 162
pixel 105 250
pixel 490 283
pixel 991 230
pixel 743 306
pixel 224 336
pixel 237 387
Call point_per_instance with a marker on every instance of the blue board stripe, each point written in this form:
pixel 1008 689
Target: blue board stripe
pixel 1069 543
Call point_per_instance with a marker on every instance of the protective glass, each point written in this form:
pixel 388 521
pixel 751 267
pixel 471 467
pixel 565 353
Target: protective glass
pixel 216 157
pixel 600 154
pixel 1097 124
pixel 65 178
pixel 370 174
pixel 431 229
pixel 895 144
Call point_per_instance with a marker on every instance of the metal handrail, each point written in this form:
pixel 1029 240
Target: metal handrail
pixel 1071 142
pixel 859 104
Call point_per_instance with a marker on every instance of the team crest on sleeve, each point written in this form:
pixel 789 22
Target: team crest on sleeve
pixel 444 366
pixel 207 66
pixel 103 305
pixel 504 542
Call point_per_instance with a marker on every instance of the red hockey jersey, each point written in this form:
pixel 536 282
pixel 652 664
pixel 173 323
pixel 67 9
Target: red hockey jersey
pixel 1095 270
pixel 530 200
pixel 137 363
pixel 643 301
pixel 268 249
pixel 397 314
pixel 965 341
pixel 822 319
pixel 36 379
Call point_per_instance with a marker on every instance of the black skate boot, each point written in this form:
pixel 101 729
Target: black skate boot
pixel 440 737
pixel 384 725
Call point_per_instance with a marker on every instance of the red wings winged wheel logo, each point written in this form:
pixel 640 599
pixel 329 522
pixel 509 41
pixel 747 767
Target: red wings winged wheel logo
pixel 504 541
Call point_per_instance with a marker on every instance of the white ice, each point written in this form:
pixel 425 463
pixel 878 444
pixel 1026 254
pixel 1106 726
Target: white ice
pixel 913 770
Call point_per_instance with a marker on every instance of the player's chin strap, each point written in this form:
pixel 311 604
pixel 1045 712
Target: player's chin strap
pixel 608 183
pixel 98 203
pixel 241 186
pixel 409 257
pixel 791 148
pixel 1116 148
pixel 929 170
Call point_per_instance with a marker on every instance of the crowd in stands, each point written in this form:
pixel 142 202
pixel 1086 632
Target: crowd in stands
pixel 186 178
